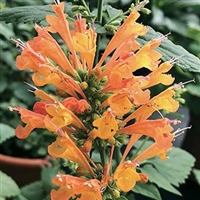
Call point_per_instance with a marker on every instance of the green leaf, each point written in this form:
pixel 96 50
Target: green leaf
pixel 47 174
pixel 3 84
pixel 197 175
pixel 28 13
pixel 6 30
pixel 20 92
pixel 187 62
pixel 112 12
pixel 182 3
pixel 25 14
pixel 20 197
pixel 122 198
pixel 33 191
pixel 158 179
pixel 6 132
pixel 148 190
pixel 177 168
pixel 8 186
pixel 193 89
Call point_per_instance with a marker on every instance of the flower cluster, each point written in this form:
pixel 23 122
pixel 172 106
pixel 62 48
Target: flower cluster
pixel 97 107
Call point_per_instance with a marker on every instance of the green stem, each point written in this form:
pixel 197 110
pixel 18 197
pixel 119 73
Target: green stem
pixel 116 17
pixel 139 148
pixel 86 6
pixel 99 19
pixel 117 155
pixel 102 151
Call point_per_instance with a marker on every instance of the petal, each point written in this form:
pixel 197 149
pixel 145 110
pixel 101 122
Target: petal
pixel 128 29
pixel 60 24
pixel 126 176
pixel 64 147
pixel 44 43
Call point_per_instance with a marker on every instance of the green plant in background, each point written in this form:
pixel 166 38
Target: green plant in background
pixel 182 19
pixel 160 174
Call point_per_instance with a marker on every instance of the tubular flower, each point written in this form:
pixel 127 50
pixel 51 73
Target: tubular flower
pixel 44 42
pixel 64 147
pixel 146 56
pixel 106 126
pixel 72 187
pixel 126 176
pixel 31 119
pixel 73 104
pixel 155 129
pixel 97 106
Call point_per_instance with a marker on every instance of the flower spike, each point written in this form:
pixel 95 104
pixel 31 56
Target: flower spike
pixel 95 109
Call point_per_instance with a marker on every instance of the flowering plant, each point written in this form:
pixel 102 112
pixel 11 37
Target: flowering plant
pixel 100 107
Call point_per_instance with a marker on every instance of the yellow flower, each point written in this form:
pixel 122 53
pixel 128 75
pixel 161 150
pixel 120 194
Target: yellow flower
pixel 106 126
pixel 71 187
pixel 64 147
pixel 31 119
pixel 126 176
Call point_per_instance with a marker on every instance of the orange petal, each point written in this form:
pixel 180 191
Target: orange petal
pixel 31 119
pixel 128 29
pixel 156 129
pixel 126 176
pixel 85 43
pixel 157 75
pixel 163 100
pixel 29 59
pixel 106 125
pixel 60 24
pixel 146 56
pixel 47 46
pixel 120 103
pixel 64 147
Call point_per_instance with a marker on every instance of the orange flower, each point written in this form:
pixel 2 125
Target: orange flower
pixel 157 76
pixel 154 150
pixel 120 103
pixel 44 42
pixel 31 119
pixel 155 129
pixel 29 59
pixel 146 56
pixel 64 147
pixel 71 186
pixel 73 104
pixel 128 29
pixel 119 77
pixel 59 24
pixel 106 126
pixel 84 41
pixel 163 100
pixel 120 56
pixel 59 117
pixel 126 176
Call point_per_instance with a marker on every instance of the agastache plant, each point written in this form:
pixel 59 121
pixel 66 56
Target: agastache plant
pixel 97 107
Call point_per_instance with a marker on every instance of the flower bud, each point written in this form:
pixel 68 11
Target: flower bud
pixel 111 140
pixel 146 11
pixel 87 145
pixel 84 85
pixel 116 193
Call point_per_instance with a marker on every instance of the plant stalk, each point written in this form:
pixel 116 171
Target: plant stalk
pixel 99 19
